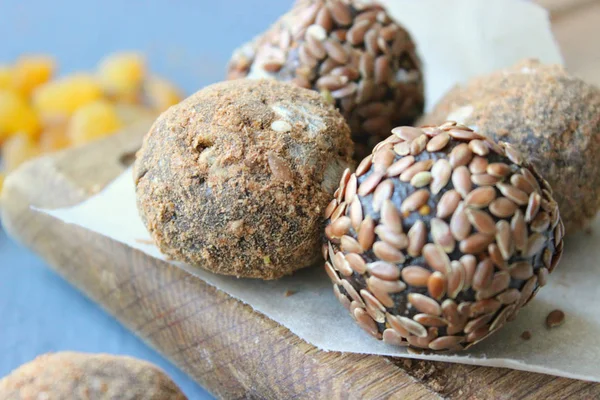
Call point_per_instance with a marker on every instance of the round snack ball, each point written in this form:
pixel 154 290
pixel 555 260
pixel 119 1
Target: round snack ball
pixel 440 237
pixel 353 53
pixel 235 178
pixel 549 115
pixel 69 375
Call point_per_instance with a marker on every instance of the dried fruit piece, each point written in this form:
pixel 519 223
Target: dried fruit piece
pixel 16 116
pixel 93 121
pixel 121 75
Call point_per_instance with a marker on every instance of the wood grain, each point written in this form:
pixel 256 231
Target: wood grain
pixel 226 346
pixel 222 343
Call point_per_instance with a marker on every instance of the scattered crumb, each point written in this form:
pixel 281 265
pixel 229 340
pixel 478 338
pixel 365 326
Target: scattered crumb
pixel 588 231
pixel 431 373
pixel 526 335
pixel 555 318
pixel 288 293
pixel 144 241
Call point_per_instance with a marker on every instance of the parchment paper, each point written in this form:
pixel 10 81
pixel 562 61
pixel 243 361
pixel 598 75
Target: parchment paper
pixel 458 39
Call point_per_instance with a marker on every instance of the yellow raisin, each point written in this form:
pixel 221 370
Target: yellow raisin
pixel 54 138
pixel 121 75
pixel 64 96
pixel 161 94
pixel 16 115
pixel 131 113
pixel 93 121
pixel 31 71
pixel 18 149
pixel 5 76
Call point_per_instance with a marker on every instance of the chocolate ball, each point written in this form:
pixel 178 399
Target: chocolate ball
pixel 235 178
pixel 440 237
pixel 353 53
pixel 551 116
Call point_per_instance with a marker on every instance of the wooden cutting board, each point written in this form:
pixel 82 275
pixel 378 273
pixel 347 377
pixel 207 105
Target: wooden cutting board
pixel 223 344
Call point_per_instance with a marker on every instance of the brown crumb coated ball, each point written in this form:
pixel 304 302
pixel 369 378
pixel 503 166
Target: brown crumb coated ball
pixel 548 114
pixel 235 178
pixel 353 53
pixel 82 376
pixel 440 237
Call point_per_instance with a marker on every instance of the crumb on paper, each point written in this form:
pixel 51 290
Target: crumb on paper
pixel 289 293
pixel 555 318
pixel 526 335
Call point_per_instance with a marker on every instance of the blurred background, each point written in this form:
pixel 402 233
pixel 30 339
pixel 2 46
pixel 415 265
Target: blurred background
pixel 186 42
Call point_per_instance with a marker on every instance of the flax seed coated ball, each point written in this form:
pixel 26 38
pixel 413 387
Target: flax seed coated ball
pixel 235 178
pixel 350 51
pixel 76 376
pixel 440 237
pixel 551 116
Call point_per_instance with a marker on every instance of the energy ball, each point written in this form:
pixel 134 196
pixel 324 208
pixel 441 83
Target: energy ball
pixel 76 376
pixel 440 237
pixel 235 178
pixel 353 53
pixel 551 116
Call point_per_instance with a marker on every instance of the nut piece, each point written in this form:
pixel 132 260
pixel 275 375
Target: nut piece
pixel 215 197
pixel 353 53
pixel 69 375
pixel 449 260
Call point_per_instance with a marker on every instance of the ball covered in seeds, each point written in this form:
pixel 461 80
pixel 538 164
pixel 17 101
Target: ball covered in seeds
pixel 350 51
pixel 76 376
pixel 551 116
pixel 440 237
pixel 235 178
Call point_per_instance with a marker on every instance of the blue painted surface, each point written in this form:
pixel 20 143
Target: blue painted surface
pixel 187 41
pixel 40 313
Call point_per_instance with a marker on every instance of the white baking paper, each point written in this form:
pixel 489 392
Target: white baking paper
pixel 457 39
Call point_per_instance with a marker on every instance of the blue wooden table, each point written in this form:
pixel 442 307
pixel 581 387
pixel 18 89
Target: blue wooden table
pixel 187 41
